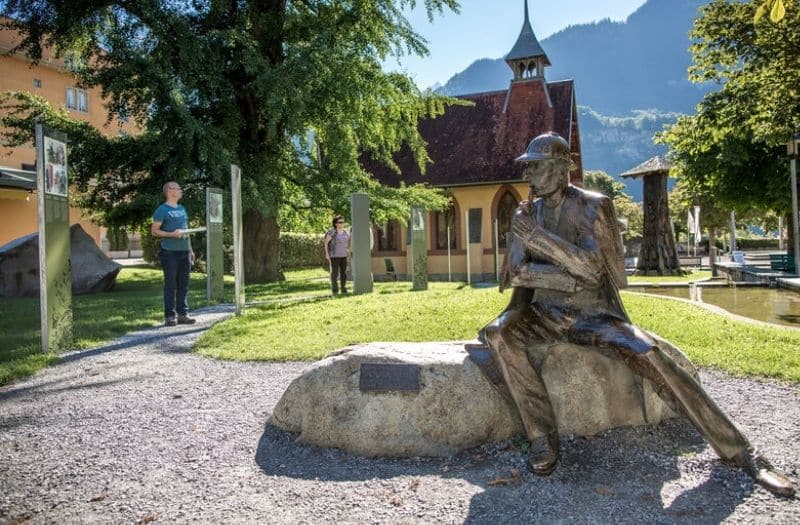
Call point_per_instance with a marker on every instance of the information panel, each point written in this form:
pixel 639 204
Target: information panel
pixel 238 251
pixel 420 251
pixel 214 255
pixel 55 273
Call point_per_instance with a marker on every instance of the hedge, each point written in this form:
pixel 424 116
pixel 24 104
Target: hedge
pixel 302 249
pixel 745 244
pixel 297 249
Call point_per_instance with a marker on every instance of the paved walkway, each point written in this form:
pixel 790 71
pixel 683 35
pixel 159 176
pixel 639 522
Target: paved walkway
pixel 143 430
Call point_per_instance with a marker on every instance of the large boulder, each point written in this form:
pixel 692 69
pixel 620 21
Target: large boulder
pixel 92 270
pixel 456 406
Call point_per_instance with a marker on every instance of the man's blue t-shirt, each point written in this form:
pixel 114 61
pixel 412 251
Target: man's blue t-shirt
pixel 172 219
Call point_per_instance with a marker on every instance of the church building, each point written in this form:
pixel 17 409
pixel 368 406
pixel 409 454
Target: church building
pixel 472 149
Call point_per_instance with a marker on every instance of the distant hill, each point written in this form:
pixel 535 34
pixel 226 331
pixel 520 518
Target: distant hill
pixel 617 144
pixel 630 80
pixel 618 67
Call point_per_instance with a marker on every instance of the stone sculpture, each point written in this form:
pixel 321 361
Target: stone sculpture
pixel 92 270
pixel 565 264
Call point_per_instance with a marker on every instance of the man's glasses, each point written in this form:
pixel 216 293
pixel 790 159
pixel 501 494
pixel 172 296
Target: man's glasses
pixel 339 222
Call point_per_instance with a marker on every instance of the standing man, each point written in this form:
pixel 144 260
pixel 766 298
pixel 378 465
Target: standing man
pixel 565 264
pixel 169 224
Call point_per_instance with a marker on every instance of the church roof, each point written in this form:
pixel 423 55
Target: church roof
pixel 655 166
pixel 478 144
pixel 527 46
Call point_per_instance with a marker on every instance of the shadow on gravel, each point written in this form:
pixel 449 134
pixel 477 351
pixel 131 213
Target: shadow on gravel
pixel 45 388
pixel 599 480
pixel 132 341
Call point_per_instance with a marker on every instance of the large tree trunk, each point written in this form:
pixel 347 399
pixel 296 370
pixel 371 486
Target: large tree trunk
pixel 262 248
pixel 658 255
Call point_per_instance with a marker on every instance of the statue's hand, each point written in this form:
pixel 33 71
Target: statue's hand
pixel 523 224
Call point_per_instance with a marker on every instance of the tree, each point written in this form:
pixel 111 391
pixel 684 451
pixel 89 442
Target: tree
pixel 732 148
pixel 624 205
pixel 602 182
pixel 290 90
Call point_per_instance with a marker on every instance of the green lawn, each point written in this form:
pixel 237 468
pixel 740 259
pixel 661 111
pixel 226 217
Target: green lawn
pixel 135 303
pixel 692 275
pixel 309 330
pixel 298 320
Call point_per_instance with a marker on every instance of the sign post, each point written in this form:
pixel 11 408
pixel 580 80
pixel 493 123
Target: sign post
pixel 238 251
pixel 362 259
pixel 215 282
pixel 55 272
pixel 420 252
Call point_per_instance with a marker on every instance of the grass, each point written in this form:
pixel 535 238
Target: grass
pixel 310 330
pixel 298 320
pixel 714 340
pixel 692 275
pixel 135 303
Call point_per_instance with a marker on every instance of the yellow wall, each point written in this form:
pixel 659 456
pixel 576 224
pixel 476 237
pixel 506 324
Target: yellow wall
pixel 466 197
pixel 18 215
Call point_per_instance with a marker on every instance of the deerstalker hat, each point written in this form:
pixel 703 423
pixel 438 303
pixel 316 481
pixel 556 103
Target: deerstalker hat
pixel 546 146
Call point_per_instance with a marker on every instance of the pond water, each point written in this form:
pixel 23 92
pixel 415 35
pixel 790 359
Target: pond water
pixel 772 305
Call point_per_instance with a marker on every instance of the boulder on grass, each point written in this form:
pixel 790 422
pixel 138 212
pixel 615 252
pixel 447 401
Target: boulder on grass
pixel 456 407
pixel 92 270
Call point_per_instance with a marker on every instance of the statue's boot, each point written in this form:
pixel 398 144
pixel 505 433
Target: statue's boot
pixel 543 456
pixel 765 474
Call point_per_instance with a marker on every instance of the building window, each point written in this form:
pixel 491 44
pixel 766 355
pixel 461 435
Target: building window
pixel 389 237
pixel 442 222
pixel 37 82
pixel 77 99
pixel 505 211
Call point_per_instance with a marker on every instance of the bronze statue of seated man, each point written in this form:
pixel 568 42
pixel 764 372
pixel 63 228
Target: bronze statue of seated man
pixel 565 263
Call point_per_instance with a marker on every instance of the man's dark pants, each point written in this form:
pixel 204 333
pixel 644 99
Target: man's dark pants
pixel 176 265
pixel 338 269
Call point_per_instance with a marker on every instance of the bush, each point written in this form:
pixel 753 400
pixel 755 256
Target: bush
pixel 117 239
pixel 757 244
pixel 301 249
pixel 150 246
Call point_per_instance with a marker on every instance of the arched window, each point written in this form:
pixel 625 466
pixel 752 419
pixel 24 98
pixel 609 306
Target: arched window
pixel 504 210
pixel 442 222
pixel 388 236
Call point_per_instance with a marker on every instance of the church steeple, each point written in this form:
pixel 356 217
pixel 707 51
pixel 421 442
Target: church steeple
pixel 527 59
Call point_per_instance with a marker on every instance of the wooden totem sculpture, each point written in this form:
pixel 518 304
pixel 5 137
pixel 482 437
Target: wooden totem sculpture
pixel 658 255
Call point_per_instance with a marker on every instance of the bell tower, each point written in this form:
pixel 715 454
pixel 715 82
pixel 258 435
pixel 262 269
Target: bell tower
pixel 527 59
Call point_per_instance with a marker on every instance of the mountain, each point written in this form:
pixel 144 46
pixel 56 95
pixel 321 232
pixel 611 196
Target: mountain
pixel 618 67
pixel 630 80
pixel 617 144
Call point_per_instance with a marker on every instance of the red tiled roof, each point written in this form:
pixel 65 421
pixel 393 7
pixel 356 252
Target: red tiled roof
pixel 478 144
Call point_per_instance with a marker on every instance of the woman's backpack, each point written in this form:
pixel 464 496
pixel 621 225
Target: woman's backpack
pixel 331 241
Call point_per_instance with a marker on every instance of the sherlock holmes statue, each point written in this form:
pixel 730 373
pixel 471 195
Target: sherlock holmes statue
pixel 565 264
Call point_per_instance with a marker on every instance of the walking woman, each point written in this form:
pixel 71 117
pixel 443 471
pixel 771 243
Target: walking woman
pixel 337 248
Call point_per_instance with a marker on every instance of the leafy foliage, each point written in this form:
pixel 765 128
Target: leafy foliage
pixel 624 205
pixel 291 90
pixel 775 8
pixel 732 150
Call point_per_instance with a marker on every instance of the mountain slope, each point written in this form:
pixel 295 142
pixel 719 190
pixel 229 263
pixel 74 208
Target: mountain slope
pixel 617 66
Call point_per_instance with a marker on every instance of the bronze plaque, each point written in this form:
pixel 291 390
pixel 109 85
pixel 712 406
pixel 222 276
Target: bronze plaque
pixel 389 377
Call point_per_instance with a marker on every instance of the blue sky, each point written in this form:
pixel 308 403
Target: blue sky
pixel 489 28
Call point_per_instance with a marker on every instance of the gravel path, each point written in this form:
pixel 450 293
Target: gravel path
pixel 143 430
